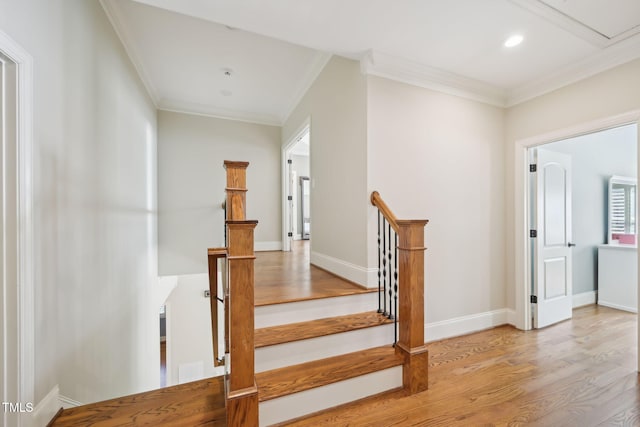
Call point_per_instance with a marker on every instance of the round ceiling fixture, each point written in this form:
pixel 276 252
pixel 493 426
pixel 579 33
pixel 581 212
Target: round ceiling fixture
pixel 227 72
pixel 514 40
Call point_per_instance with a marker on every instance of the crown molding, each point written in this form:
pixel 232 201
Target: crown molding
pixel 613 56
pixel 393 68
pixel 218 113
pixel 115 17
pixel 320 60
pixel 572 25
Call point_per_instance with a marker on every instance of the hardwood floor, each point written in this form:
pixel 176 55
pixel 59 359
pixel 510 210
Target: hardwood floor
pixel 581 372
pixel 288 276
pixel 200 403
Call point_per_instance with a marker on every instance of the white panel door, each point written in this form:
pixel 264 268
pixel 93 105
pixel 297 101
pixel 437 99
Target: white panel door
pixel 553 254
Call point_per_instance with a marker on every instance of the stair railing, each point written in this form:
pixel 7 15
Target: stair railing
pixel 401 289
pixel 237 298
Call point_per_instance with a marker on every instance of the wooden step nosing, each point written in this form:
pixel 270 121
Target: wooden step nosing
pixel 306 325
pixel 363 367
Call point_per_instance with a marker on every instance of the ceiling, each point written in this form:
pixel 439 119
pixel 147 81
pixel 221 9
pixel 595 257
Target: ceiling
pixel 253 60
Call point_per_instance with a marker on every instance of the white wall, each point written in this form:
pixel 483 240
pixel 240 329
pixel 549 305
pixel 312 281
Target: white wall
pixel 95 209
pixel 611 93
pixel 439 157
pixel 192 179
pixel 336 104
pixel 595 157
pixel 187 345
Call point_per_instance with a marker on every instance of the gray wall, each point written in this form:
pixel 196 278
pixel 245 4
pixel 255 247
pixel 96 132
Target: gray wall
pixel 94 208
pixel 595 158
pixel 191 182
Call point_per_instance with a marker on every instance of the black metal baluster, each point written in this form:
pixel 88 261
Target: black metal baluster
pixel 395 286
pixel 379 268
pixel 384 268
pixel 390 316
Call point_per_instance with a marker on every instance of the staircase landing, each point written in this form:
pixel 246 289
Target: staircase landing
pixel 282 277
pixel 200 403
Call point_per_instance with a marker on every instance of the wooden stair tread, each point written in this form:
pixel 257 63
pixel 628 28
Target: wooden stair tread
pixel 191 404
pixel 317 328
pixel 293 379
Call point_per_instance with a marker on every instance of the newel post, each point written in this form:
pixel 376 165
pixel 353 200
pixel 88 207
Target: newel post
pixel 242 400
pixel 411 310
pixel 242 391
pixel 236 189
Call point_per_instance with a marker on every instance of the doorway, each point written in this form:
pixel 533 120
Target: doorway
pixel 525 272
pixel 17 312
pixel 297 189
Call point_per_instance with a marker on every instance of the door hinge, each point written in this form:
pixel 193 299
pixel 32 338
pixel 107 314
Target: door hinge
pixel 290 234
pixel 533 167
pixel 534 299
pixel 289 197
pixel 533 233
pixel 289 161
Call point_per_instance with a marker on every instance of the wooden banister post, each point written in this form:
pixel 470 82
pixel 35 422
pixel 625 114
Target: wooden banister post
pixel 242 400
pixel 236 189
pixel 411 311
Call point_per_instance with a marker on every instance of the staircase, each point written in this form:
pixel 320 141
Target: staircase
pixel 314 364
pixel 289 360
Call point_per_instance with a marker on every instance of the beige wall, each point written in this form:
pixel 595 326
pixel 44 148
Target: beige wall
pixel 602 96
pixel 95 210
pixel 191 182
pixel 440 157
pixel 336 104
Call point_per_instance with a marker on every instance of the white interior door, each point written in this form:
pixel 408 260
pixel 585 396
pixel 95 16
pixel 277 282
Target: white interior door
pixel 552 247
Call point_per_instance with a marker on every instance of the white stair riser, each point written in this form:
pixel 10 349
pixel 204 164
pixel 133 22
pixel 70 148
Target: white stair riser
pixel 320 398
pixel 302 311
pixel 293 353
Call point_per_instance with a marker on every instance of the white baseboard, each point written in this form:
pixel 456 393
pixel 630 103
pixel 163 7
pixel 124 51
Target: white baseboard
pixel 618 306
pixel 584 298
pixel 511 317
pixel 46 409
pixel 67 402
pixel 352 272
pixel 466 324
pixel 267 246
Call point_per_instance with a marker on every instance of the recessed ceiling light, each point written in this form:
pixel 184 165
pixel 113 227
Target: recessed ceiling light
pixel 514 40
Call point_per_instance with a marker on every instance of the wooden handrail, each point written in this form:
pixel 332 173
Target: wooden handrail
pixel 377 201
pixel 410 253
pixel 213 255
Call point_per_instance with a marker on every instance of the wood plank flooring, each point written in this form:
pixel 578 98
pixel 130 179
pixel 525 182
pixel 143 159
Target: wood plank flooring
pixel 200 403
pixel 581 372
pixel 288 276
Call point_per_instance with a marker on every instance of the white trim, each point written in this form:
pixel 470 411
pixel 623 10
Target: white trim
pixel 320 61
pixel 511 317
pixel 621 53
pixel 287 145
pixel 413 73
pixel 584 298
pixel 46 409
pixel 115 17
pixel 465 325
pixel 267 246
pixel 24 150
pixel 352 272
pixel 618 306
pixel 218 113
pixel 521 202
pixel 68 402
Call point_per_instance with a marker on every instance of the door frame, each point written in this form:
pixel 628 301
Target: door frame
pixel 23 202
pixel 286 149
pixel 521 182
